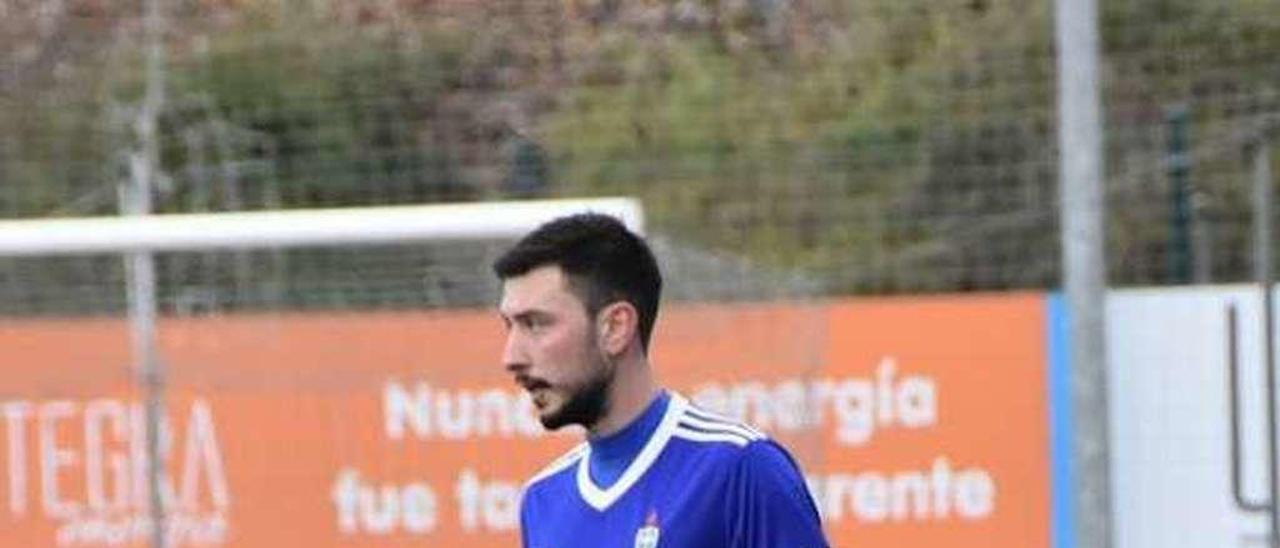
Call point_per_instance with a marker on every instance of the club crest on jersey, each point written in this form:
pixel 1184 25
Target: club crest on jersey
pixel 647 536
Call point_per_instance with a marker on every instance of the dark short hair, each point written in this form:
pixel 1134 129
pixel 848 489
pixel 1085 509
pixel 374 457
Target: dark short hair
pixel 603 261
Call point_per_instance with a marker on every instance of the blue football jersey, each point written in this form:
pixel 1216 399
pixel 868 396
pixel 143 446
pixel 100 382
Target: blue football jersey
pixel 699 481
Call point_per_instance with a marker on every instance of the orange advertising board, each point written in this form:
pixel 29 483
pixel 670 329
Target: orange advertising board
pixel 919 422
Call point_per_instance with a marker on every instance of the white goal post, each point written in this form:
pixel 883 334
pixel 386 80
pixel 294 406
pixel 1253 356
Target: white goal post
pixel 295 228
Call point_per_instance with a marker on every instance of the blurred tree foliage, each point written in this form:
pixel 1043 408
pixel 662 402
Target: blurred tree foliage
pixel 864 143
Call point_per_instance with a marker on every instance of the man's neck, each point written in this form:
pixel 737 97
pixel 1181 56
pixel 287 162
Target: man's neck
pixel 633 390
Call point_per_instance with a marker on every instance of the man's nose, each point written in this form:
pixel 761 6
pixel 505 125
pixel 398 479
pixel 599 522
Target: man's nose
pixel 513 355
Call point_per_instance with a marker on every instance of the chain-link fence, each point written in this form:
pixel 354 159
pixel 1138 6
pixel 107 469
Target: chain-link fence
pixel 866 147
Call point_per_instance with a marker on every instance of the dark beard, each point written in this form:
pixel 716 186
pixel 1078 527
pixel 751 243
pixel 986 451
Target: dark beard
pixel 586 405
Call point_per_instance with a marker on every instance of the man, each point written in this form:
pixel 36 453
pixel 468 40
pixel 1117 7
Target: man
pixel 579 299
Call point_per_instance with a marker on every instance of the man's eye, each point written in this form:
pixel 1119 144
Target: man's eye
pixel 537 323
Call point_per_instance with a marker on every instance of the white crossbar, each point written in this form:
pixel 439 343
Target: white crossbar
pixel 291 228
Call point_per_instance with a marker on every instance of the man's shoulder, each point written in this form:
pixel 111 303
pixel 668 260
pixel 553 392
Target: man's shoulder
pixel 559 467
pixel 735 445
pixel 706 430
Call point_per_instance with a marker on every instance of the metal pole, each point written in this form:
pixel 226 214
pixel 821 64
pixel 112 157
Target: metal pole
pixel 1180 211
pixel 140 269
pixel 1084 263
pixel 1262 197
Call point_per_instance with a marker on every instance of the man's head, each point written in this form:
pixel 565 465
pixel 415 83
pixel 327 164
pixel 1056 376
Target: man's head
pixel 578 294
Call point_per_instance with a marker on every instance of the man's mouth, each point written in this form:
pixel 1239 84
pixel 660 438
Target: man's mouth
pixel 540 397
pixel 539 390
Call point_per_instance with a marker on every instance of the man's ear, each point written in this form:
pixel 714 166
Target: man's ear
pixel 617 326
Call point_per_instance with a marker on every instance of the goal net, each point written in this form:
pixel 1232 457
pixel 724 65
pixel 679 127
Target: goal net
pixel 336 368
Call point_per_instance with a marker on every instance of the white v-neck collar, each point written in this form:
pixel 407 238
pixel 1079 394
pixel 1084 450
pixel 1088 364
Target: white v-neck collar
pixel 601 499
